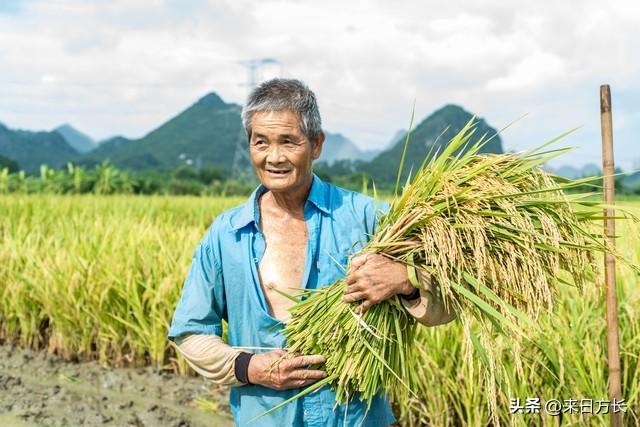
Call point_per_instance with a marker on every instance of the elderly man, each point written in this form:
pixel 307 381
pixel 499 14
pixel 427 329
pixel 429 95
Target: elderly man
pixel 285 237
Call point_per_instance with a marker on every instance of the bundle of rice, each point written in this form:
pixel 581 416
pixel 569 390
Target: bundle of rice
pixel 495 231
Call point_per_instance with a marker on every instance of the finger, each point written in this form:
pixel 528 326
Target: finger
pixel 358 260
pixel 307 374
pixel 354 296
pixel 302 361
pixel 362 284
pixel 366 305
pixel 358 286
pixel 351 277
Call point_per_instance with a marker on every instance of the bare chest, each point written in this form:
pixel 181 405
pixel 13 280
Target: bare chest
pixel 282 265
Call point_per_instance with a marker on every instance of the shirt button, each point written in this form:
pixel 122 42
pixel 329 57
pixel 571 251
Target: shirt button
pixel 255 260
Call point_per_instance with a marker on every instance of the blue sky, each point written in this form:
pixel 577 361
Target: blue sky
pixel 124 67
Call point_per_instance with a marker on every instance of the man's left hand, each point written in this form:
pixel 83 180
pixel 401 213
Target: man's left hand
pixel 374 278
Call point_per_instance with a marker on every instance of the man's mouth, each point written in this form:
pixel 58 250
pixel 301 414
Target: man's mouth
pixel 278 171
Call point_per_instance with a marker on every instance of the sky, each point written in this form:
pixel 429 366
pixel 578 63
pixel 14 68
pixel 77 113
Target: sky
pixel 123 67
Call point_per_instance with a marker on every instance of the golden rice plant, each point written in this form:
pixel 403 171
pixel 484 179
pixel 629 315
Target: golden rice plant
pixel 95 277
pixel 570 363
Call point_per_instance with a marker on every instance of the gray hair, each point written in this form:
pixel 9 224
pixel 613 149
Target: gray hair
pixel 285 94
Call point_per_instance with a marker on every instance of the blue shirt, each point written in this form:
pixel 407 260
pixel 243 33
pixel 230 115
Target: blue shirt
pixel 223 284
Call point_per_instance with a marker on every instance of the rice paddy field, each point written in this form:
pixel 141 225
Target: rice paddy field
pixel 96 278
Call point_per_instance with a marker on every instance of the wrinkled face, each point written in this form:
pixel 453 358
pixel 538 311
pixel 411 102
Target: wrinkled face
pixel 280 152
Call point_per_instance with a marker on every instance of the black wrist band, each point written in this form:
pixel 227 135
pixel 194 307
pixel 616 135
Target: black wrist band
pixel 241 367
pixel 413 295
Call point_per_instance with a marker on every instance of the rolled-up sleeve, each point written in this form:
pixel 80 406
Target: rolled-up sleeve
pixel 201 307
pixel 429 308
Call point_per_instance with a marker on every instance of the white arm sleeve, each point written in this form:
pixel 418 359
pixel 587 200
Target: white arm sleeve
pixel 210 357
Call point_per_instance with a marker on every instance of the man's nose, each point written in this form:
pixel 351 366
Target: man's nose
pixel 275 154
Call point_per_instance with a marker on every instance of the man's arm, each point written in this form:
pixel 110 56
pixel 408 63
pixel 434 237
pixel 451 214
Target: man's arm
pixel 196 326
pixel 212 358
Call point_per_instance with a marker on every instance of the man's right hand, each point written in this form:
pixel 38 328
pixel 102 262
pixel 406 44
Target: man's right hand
pixel 280 370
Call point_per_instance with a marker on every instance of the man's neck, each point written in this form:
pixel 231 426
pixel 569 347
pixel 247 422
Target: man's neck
pixel 288 203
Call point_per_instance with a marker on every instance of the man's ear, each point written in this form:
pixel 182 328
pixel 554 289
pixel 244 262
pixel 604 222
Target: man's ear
pixel 316 149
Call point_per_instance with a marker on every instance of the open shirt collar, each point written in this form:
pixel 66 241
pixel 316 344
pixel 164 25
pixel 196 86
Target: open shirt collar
pixel 250 211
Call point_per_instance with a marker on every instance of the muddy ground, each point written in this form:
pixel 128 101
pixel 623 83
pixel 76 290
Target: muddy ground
pixel 37 389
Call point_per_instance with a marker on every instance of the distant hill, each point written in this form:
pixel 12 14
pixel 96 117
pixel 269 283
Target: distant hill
pixel 572 172
pixel 384 167
pixel 105 150
pixel 397 137
pixel 338 147
pixel 632 182
pixel 629 182
pixel 32 149
pixel 367 155
pixel 79 141
pixel 566 171
pixel 208 133
pixel 591 169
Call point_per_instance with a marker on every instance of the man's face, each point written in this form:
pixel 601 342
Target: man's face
pixel 280 152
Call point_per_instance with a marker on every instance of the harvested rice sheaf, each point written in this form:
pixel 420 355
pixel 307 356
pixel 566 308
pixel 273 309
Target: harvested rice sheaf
pixel 498 234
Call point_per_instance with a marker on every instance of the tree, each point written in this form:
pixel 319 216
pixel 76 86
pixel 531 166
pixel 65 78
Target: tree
pixel 11 165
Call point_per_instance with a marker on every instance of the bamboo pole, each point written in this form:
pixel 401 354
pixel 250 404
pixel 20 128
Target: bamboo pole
pixel 608 171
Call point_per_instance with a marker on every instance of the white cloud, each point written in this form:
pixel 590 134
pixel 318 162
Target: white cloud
pixel 530 73
pixel 124 67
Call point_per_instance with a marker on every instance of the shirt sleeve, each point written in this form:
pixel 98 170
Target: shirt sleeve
pixel 210 357
pixel 429 308
pixel 202 305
